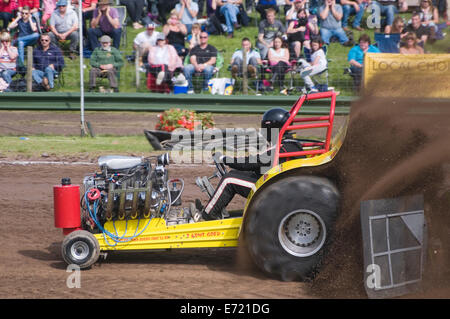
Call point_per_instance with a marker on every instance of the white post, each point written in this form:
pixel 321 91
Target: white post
pixel 80 28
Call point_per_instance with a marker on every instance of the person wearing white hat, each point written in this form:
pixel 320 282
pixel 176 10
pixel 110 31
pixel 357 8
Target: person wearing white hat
pixel 163 60
pixel 145 40
pixel 64 26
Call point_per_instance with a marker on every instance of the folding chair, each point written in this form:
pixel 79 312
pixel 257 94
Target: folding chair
pixel 321 78
pixel 219 64
pixel 388 43
pixel 123 23
pixel 239 84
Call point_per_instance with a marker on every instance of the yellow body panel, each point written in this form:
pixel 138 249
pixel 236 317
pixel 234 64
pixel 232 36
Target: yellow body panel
pixel 156 235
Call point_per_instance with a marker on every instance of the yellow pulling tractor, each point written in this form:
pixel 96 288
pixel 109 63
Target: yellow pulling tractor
pixel 286 224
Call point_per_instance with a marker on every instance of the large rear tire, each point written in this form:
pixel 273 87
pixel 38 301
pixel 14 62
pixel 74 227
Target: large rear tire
pixel 80 248
pixel 289 225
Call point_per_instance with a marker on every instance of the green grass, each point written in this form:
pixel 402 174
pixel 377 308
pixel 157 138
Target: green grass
pixel 66 146
pixel 337 54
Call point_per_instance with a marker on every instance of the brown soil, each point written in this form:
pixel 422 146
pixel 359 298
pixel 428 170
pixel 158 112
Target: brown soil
pixel 31 264
pixel 30 261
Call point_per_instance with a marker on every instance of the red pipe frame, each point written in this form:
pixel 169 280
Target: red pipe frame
pixel 293 113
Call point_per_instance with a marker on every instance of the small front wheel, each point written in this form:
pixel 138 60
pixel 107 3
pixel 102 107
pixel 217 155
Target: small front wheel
pixel 80 248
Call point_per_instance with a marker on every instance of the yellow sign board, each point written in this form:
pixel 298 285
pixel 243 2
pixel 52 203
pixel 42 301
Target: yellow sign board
pixel 407 75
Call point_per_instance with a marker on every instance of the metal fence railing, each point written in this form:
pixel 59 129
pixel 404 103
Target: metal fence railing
pixel 133 77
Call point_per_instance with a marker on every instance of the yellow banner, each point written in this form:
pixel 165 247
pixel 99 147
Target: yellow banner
pixel 407 75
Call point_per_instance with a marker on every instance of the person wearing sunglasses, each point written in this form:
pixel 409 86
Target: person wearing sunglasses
pixel 410 46
pixel 64 26
pixel 202 60
pixel 48 61
pixel 28 32
pixel 8 57
pixel 34 9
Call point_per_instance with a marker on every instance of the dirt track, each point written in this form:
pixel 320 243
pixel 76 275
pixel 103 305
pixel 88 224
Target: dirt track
pixel 30 262
pixel 31 266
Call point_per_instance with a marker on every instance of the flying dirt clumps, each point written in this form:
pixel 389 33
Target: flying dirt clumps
pixel 393 147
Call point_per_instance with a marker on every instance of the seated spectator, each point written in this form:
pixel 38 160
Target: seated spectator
pixel 318 64
pixel 356 58
pixel 164 8
pixel 105 60
pixel 253 60
pixel 105 21
pixel 300 32
pixel 163 60
pixel 356 7
pixel 442 6
pixel 202 60
pixel 330 17
pixel 194 37
pixel 34 7
pixel 398 26
pixel 263 5
pixel 48 61
pixel 410 45
pixel 388 9
pixel 87 9
pixel 6 12
pixel 134 11
pixel 429 16
pixel 267 31
pixel 278 61
pixel 175 31
pixel 229 9
pixel 28 31
pixel 8 57
pixel 64 26
pixel 187 11
pixel 291 14
pixel 145 40
pixel 422 32
pixel 48 7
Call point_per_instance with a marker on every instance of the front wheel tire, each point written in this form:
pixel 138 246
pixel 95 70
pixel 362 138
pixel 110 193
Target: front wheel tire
pixel 80 248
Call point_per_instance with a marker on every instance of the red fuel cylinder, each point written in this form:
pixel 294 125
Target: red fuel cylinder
pixel 66 201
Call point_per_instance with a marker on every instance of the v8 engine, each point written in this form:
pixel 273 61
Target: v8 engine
pixel 127 187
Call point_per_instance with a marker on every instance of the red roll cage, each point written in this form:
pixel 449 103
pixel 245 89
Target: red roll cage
pixel 308 123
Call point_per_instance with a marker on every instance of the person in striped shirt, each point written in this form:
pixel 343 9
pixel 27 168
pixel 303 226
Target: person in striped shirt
pixel 8 57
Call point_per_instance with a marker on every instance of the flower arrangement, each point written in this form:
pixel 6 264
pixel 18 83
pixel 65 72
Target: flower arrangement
pixel 177 118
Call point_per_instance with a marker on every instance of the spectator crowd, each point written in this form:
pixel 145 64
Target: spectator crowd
pixel 294 36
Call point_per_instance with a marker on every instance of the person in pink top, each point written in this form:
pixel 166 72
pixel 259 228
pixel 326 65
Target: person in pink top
pixel 8 57
pixel 49 7
pixel 163 60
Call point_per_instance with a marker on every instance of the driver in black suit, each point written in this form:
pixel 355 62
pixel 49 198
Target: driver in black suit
pixel 244 174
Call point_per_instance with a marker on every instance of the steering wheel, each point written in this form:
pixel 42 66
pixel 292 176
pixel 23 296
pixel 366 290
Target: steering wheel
pixel 221 167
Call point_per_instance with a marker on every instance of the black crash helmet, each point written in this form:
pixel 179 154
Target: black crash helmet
pixel 274 118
